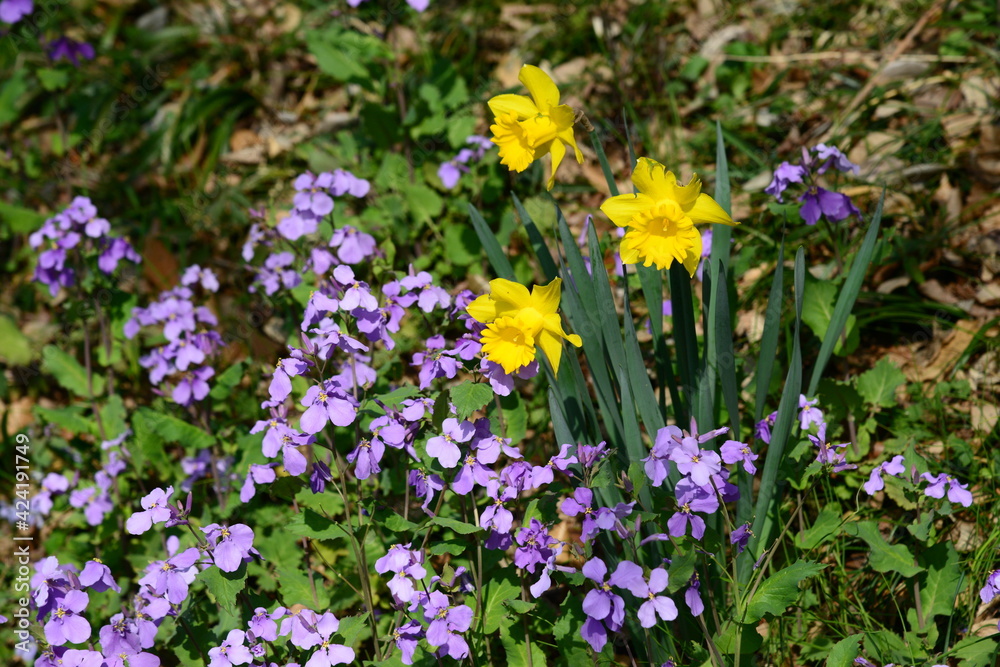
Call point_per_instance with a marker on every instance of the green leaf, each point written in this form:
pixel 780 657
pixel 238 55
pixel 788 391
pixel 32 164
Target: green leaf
pixel 226 381
pixel 975 651
pixel 521 606
pixel 352 626
pixel 498 260
pixel 425 204
pixel 53 79
pixel 844 652
pixel 817 313
pixel 16 348
pixel 877 386
pixel 172 429
pixel 459 527
pixel 680 571
pixel 498 591
pixel 19 219
pixel 469 397
pixel 11 92
pixel 393 520
pixel 750 639
pixel 453 547
pixel 308 523
pixel 70 418
pixel 884 557
pixel 780 589
pixel 224 586
pixel 113 417
pixel 515 644
pixel 69 373
pixel 942 582
pixel 826 525
pixel 296 589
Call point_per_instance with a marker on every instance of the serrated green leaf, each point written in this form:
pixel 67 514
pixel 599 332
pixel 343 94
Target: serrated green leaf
pixel 70 418
pixel 497 592
pixel 172 429
pixel 453 547
pixel 469 397
pixel 225 586
pixel 459 527
pixel 680 571
pixel 521 606
pixel 975 651
pixel 69 373
pixel 942 582
pixel 394 521
pixel 844 652
pixel 780 589
pixel 295 589
pixel 226 381
pixel 53 79
pixel 750 639
pixel 352 626
pixel 877 386
pixel 884 557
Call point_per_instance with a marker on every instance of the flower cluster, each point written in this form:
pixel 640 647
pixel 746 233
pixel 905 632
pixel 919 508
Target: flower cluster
pixel 449 172
pixel 70 239
pixel 181 362
pixel 816 201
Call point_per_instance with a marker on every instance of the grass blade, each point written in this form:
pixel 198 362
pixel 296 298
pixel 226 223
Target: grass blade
pixel 498 260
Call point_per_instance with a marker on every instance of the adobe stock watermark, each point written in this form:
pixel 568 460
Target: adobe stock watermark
pixel 22 542
pixel 30 27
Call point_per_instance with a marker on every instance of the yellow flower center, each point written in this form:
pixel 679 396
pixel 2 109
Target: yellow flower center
pixel 659 235
pixel 508 342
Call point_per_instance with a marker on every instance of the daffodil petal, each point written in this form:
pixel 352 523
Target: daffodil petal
pixel 519 105
pixel 693 255
pixel 568 137
pixel 621 208
pixel 543 90
pixel 483 309
pixel 558 153
pixel 706 209
pixel 652 179
pixel 551 346
pixel 509 294
pixel 545 298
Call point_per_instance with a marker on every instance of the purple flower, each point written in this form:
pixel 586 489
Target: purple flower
pixel 657 464
pixel 194 274
pixel 12 11
pixel 733 451
pixel 894 467
pixel 655 605
pixel 258 474
pixel 740 537
pixel 407 637
pixel 367 454
pixel 828 454
pixel 785 173
pixel 992 587
pixel 471 473
pixel 605 609
pixel 66 624
pixel 957 493
pixel 425 484
pixel 326 402
pixel 691 498
pixel 121 635
pixel 172 577
pixel 445 447
pixel 495 515
pixel 832 157
pixel 536 546
pixel 818 201
pixel 582 502
pixel 446 623
pixel 71 50
pixel 329 653
pixel 353 247
pixel 541 475
pixel 692 596
pixel 762 431
pixel 302 627
pixel 263 625
pixel 591 454
pixel 97 576
pixel 436 362
pixel 809 414
pixel 231 652
pixel 193 386
pixel 156 509
pixel 699 464
pixel 232 545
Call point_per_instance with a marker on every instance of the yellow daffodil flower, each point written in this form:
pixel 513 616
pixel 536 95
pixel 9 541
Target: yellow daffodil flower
pixel 661 218
pixel 526 128
pixel 517 321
